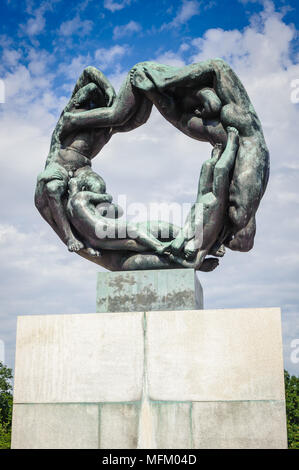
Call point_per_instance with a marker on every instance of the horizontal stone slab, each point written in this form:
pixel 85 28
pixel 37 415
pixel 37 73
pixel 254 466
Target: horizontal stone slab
pixel 55 426
pixel 172 425
pixel 239 425
pixel 200 355
pixel 232 354
pixel 118 425
pixel 159 379
pixel 79 358
pixel 167 425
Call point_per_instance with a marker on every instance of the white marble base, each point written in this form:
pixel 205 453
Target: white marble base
pixel 160 379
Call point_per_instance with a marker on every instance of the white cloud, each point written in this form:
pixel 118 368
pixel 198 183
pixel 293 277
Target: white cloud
pixel 76 26
pixel 188 9
pixel 101 58
pixel 126 29
pixel 71 70
pixel 83 5
pixel 11 57
pixel 106 57
pixel 35 25
pixel 113 6
pixel 170 58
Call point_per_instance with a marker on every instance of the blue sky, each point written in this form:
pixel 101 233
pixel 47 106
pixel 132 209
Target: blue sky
pixel 44 47
pixel 144 29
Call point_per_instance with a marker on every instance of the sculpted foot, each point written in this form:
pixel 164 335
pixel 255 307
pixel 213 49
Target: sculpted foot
pixel 92 252
pixel 217 151
pixel 218 251
pixel 233 134
pixel 177 245
pixel 209 264
pixel 190 250
pixel 164 249
pixel 74 245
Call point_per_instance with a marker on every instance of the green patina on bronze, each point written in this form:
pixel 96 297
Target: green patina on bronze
pixel 148 290
pixel 207 102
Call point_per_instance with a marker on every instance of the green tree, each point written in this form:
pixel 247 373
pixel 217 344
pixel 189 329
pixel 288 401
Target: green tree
pixel 292 406
pixel 5 406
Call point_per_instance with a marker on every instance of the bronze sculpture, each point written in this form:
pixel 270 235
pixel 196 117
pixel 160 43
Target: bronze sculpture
pixel 207 102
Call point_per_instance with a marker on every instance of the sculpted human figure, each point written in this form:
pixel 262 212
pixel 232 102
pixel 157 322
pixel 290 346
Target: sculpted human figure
pixel 74 151
pixel 201 100
pixel 101 231
pixel 163 85
pixel 208 213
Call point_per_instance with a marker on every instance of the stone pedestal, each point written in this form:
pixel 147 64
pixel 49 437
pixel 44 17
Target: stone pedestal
pixel 139 291
pixel 150 379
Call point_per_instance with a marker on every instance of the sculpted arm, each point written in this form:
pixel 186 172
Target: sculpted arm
pixel 93 75
pixel 124 107
pixel 148 75
pixel 166 105
pixel 206 218
pixel 81 94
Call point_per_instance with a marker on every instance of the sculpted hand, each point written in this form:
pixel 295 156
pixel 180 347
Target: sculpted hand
pixel 139 79
pixel 111 95
pixel 177 245
pixel 107 198
pixel 190 250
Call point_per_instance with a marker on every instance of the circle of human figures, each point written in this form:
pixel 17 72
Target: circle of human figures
pixel 207 102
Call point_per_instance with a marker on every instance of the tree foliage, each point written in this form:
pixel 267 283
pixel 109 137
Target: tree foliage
pixel 5 406
pixel 292 406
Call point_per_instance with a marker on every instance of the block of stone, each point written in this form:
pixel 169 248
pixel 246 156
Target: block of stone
pixel 137 291
pixel 78 358
pixel 172 425
pixel 158 379
pixel 239 425
pixel 215 355
pixel 119 425
pixel 55 426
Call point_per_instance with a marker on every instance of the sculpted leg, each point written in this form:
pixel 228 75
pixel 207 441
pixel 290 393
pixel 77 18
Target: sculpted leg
pixel 55 190
pixel 243 239
pixel 246 190
pixel 215 179
pixel 233 115
pixel 224 165
pixel 205 184
pixel 146 239
pixel 81 208
pixel 41 199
